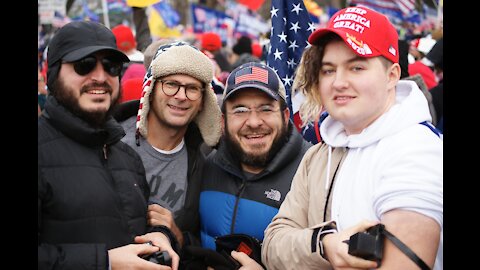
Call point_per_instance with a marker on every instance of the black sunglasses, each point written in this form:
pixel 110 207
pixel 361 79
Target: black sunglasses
pixel 86 65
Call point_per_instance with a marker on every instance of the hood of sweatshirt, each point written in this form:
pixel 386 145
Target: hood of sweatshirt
pixel 410 108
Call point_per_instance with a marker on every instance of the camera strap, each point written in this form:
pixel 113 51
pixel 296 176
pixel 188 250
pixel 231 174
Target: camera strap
pixel 406 250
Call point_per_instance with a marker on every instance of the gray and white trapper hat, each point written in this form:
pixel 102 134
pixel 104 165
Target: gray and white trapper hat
pixel 183 58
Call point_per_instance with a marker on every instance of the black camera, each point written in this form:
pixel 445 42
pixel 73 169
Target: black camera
pixel 368 245
pixel 159 257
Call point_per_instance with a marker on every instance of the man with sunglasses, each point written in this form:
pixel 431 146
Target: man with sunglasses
pixel 245 181
pixel 170 126
pixel 92 190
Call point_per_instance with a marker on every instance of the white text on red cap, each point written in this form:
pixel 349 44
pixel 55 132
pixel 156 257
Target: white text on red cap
pixel 352 21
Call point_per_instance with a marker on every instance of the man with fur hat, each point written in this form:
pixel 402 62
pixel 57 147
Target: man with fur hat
pixel 92 190
pixel 169 127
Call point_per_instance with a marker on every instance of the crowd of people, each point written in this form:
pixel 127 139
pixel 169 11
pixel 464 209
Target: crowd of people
pixel 188 148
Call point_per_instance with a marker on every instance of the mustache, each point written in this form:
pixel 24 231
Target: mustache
pixel 250 131
pixel 104 86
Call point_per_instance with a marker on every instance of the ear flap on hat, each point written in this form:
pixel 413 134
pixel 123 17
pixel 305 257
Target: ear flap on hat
pixel 141 124
pixel 209 119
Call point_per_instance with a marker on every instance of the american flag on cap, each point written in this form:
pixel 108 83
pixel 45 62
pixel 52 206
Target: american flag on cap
pixel 255 75
pixel 251 74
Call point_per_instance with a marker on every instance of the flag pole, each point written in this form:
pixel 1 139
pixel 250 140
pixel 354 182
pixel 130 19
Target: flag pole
pixel 439 13
pixel 106 19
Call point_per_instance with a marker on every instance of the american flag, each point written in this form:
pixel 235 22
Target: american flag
pixel 251 74
pixel 405 7
pixel 291 27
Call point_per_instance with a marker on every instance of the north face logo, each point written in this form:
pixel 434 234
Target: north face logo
pixel 273 194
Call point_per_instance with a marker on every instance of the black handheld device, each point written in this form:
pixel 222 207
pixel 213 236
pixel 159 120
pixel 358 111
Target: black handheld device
pixel 368 245
pixel 159 257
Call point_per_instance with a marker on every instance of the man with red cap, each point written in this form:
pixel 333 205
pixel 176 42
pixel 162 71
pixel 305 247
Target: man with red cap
pixel 126 42
pixel 379 166
pixel 134 68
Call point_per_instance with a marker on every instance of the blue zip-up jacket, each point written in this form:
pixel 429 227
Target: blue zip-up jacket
pixel 230 203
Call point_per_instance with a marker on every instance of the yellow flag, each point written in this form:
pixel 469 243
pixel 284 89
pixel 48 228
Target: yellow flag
pixel 159 29
pixel 313 7
pixel 141 3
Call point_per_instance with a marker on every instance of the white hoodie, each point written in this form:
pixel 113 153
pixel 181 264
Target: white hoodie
pixel 395 163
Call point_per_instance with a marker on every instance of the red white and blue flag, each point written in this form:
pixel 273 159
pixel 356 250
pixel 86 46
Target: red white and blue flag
pixel 251 74
pixel 291 27
pixel 404 6
pixel 396 10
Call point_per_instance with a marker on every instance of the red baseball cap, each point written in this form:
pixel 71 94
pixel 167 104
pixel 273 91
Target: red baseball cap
pixel 367 32
pixel 257 50
pixel 125 38
pixel 211 41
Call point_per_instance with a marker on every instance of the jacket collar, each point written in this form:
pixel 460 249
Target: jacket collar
pixel 79 130
pixel 288 152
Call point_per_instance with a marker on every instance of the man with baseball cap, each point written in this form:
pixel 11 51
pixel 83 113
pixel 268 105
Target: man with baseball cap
pixel 380 162
pixel 92 190
pixel 246 179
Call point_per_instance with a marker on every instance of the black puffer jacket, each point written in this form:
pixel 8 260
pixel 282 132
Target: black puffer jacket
pixel 91 191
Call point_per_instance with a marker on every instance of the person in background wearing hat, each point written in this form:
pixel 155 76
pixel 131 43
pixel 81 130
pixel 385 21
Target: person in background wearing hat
pixel 242 53
pixel 132 73
pixel 416 65
pixel 176 115
pixel 257 50
pixel 211 46
pixel 212 43
pixel 380 160
pixel 127 44
pixel 92 190
pixel 246 179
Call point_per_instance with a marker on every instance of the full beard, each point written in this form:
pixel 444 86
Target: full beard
pixel 253 159
pixel 65 96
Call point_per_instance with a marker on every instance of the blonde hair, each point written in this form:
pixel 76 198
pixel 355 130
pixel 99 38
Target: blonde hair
pixel 311 108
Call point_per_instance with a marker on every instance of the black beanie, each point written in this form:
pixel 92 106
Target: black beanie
pixel 244 45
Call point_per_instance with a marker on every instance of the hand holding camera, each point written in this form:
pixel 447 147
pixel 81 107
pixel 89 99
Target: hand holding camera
pixel 159 257
pixel 369 245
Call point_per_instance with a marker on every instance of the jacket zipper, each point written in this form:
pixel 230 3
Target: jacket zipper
pixel 237 200
pixel 105 151
pixel 104 154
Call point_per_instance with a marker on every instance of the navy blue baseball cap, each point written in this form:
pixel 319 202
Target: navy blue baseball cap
pixel 255 75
